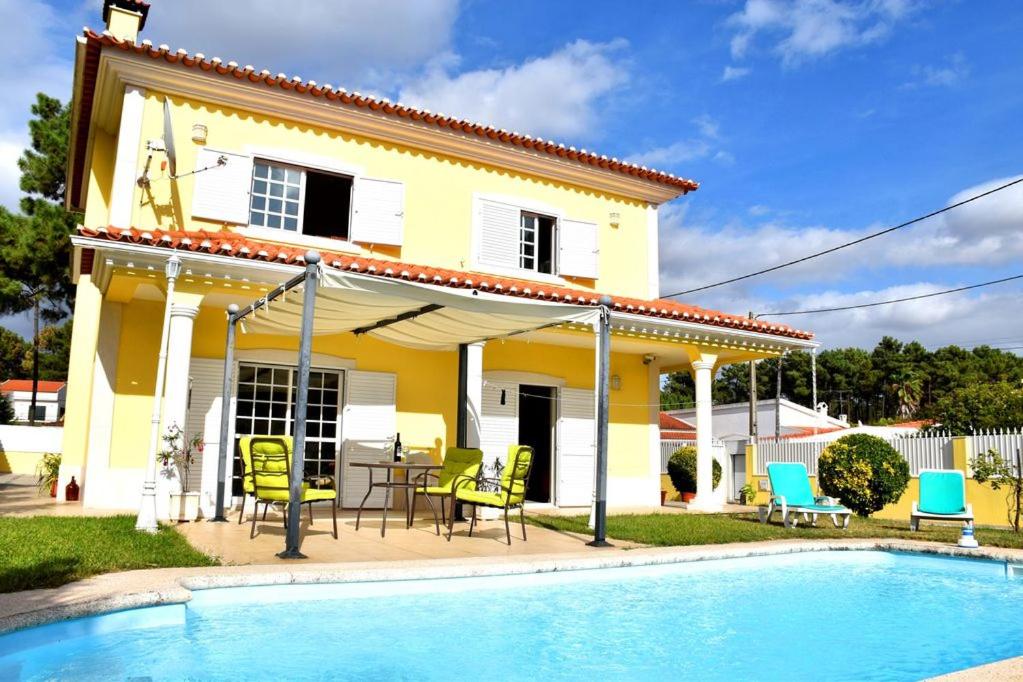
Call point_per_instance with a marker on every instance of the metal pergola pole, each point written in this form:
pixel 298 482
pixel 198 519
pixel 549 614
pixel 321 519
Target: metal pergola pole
pixel 293 541
pixel 603 370
pixel 225 411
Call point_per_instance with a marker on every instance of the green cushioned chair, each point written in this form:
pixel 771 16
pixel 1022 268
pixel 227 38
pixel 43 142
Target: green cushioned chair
pixel 510 493
pixel 792 495
pixel 942 498
pixel 461 466
pixel 267 463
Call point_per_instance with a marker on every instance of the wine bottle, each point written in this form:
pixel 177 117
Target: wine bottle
pixel 397 448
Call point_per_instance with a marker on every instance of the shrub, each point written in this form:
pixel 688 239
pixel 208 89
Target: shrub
pixel 682 470
pixel 862 471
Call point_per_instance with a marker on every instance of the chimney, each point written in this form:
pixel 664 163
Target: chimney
pixel 125 18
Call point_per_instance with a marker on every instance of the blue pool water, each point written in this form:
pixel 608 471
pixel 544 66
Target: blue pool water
pixel 819 616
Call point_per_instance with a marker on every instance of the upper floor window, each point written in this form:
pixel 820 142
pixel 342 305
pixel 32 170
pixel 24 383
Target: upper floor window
pixel 537 242
pixel 300 200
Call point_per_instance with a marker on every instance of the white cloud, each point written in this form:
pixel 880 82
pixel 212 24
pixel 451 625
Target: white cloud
pixel 806 29
pixel 26 70
pixel 348 43
pixel 952 73
pixel 732 73
pixel 703 144
pixel 556 95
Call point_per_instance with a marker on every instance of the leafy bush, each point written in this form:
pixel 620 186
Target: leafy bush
pixel 682 470
pixel 993 405
pixel 862 471
pixel 6 409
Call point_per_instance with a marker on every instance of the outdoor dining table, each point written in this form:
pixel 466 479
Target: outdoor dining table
pixel 389 484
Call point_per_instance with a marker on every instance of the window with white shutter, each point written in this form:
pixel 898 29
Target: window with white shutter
pixel 221 190
pixel 499 226
pixel 379 211
pixel 579 252
pixel 368 425
pixel 576 447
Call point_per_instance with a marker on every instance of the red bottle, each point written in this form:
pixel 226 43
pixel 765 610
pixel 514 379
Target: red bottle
pixel 71 491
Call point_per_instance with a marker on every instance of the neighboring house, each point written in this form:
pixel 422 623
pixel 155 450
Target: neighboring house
pixel 49 399
pixel 673 428
pixel 264 167
pixel 886 432
pixel 731 420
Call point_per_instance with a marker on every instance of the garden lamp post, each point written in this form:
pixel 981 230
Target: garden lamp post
pixel 147 511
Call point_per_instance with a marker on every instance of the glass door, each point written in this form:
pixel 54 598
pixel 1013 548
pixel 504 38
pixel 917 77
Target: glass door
pixel 266 406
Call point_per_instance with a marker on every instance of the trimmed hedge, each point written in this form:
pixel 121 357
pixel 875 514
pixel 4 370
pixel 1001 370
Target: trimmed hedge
pixel 862 471
pixel 682 470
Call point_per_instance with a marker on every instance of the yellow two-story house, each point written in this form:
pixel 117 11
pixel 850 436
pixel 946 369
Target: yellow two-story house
pixel 236 173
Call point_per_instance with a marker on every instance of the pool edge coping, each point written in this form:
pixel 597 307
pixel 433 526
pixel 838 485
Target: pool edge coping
pixel 159 587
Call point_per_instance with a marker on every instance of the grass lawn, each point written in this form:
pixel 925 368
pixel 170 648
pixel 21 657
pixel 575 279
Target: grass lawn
pixel 47 551
pixel 714 529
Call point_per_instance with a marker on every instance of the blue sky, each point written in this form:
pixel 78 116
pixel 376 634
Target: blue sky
pixel 807 123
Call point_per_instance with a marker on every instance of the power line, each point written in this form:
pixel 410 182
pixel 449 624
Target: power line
pixel 894 300
pixel 848 244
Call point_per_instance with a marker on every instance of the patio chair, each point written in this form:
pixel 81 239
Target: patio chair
pixel 267 461
pixel 792 495
pixel 510 493
pixel 942 498
pixel 462 464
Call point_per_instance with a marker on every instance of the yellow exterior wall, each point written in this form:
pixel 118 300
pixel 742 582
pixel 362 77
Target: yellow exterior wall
pixel 19 462
pixel 84 337
pixel 990 507
pixel 101 178
pixel 438 190
pixel 137 353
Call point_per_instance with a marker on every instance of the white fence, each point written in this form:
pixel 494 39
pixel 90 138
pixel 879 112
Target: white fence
pixel 668 448
pixel 922 451
pixel 1005 441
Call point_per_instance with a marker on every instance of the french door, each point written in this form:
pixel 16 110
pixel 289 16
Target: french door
pixel 266 406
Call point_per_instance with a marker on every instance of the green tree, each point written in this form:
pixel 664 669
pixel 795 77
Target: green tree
pixel 6 409
pixel 54 352
pixel 12 354
pixel 981 406
pixel 35 246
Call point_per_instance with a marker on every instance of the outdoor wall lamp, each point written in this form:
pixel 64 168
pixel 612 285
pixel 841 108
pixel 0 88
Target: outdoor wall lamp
pixel 615 218
pixel 199 131
pixel 173 268
pixel 504 396
pixel 616 382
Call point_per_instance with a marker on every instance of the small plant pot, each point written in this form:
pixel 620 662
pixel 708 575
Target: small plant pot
pixel 184 506
pixel 53 489
pixel 688 497
pixel 664 497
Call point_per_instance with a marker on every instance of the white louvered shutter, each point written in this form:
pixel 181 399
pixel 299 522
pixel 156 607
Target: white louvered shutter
pixel 579 252
pixel 369 421
pixel 221 194
pixel 499 424
pixel 203 418
pixel 378 215
pixel 576 447
pixel 499 226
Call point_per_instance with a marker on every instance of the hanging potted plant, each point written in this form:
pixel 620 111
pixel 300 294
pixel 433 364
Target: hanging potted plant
pixel 47 473
pixel 179 453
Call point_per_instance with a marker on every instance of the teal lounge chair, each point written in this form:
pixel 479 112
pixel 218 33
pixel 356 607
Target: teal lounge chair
pixel 942 498
pixel 791 495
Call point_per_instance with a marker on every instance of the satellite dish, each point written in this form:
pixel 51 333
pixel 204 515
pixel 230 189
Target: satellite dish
pixel 168 139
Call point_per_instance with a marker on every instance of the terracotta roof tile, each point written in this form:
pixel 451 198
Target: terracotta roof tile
pixel 234 244
pixel 95 41
pixel 668 421
pixel 26 385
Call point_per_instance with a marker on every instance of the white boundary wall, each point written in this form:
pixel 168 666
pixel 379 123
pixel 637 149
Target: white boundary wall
pixel 18 438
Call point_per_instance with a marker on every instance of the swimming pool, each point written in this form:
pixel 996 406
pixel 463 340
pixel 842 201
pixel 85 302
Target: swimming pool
pixel 814 616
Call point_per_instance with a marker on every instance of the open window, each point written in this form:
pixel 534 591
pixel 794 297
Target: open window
pixel 537 242
pixel 300 200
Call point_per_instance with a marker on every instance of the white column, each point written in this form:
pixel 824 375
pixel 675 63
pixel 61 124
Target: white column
pixel 126 163
pixel 474 394
pixel 99 490
pixel 703 375
pixel 179 359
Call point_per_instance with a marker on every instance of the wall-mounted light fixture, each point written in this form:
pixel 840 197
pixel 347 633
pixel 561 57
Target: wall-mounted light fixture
pixel 504 396
pixel 616 382
pixel 615 218
pixel 199 131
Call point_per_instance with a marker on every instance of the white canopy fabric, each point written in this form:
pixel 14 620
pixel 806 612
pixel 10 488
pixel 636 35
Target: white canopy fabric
pixel 418 315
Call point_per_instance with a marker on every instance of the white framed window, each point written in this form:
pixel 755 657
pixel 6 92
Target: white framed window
pixel 300 200
pixel 538 237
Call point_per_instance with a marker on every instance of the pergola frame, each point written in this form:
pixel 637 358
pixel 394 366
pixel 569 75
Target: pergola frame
pixel 309 281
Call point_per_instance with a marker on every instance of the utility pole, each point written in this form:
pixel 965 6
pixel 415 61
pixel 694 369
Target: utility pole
pixel 777 400
pixel 752 395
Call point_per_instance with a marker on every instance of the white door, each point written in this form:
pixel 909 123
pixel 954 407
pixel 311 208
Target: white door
pixel 499 421
pixel 370 422
pixel 576 447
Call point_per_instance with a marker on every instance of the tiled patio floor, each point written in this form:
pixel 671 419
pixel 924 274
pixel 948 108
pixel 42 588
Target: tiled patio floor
pixel 230 541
